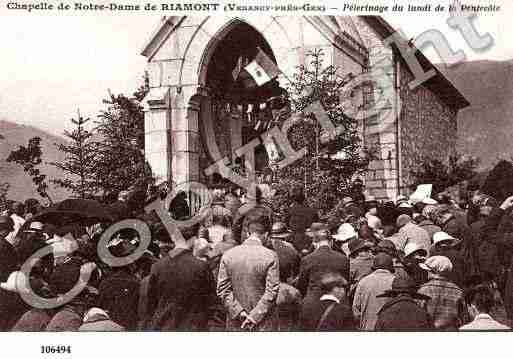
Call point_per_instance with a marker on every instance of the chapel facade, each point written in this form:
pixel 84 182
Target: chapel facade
pixel 196 115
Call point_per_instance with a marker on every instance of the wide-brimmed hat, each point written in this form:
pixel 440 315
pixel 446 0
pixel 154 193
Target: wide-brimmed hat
pixel 357 245
pixel 317 227
pixel 429 201
pixel 345 232
pixel 279 230
pixel 403 285
pixel 437 265
pixel 412 247
pixel 401 199
pixel 12 281
pixel 35 227
pixel 439 237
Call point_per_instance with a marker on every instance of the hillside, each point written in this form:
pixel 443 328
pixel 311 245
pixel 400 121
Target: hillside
pixel 485 128
pixel 14 135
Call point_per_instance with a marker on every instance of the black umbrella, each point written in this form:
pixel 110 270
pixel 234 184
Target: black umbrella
pixel 84 211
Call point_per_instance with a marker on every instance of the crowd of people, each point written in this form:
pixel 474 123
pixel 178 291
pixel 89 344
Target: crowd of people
pixel 409 264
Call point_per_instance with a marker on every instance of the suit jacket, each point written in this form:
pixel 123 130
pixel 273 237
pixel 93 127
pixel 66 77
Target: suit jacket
pixel 288 258
pixel 119 295
pixel 339 318
pixel 366 305
pixel 180 292
pixel 323 260
pixel 298 219
pixel 248 280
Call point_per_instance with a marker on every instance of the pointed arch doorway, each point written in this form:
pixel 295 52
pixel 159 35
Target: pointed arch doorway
pixel 234 111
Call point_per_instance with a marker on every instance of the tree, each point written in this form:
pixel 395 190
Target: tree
pixel 30 158
pixel 120 161
pixel 327 169
pixel 4 192
pixel 79 162
pixel 445 173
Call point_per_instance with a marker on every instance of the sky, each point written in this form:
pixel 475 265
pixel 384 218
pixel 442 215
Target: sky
pixel 51 65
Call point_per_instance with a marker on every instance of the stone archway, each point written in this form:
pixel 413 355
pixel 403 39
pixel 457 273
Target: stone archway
pixel 223 103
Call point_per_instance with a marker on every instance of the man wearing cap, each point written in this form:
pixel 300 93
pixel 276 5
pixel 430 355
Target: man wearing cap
pixel 366 304
pixel 323 259
pixel 413 232
pixel 288 257
pixel 361 262
pixel 401 311
pixel 446 307
pixel 331 312
pixel 248 281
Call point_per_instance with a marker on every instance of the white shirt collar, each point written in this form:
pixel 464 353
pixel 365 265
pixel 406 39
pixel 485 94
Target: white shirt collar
pixel 483 316
pixel 330 297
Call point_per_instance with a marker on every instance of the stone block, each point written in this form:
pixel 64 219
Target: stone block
pixel 155 73
pixel 185 141
pixel 171 72
pixel 155 120
pixel 159 165
pixel 156 142
pixel 373 184
pixel 190 72
pixel 175 45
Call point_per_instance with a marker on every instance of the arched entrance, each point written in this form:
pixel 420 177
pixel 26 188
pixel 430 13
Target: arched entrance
pixel 234 110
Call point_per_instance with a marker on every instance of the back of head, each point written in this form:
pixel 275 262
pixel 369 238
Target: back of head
pixel 331 280
pixel 402 220
pixel 259 225
pixel 18 208
pixel 481 297
pixel 383 261
pixel 297 194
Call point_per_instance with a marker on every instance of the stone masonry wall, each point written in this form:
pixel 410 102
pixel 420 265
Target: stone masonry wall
pixel 428 127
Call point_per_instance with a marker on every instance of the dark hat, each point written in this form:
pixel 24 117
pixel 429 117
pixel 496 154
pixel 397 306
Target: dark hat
pixel 402 285
pixel 357 245
pixel 6 221
pixel 279 230
pixel 383 261
pixel 386 246
pixel 346 201
pixel 317 227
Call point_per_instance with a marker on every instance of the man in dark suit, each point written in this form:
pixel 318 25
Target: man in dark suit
pixel 299 218
pixel 181 289
pixel 331 311
pixel 322 260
